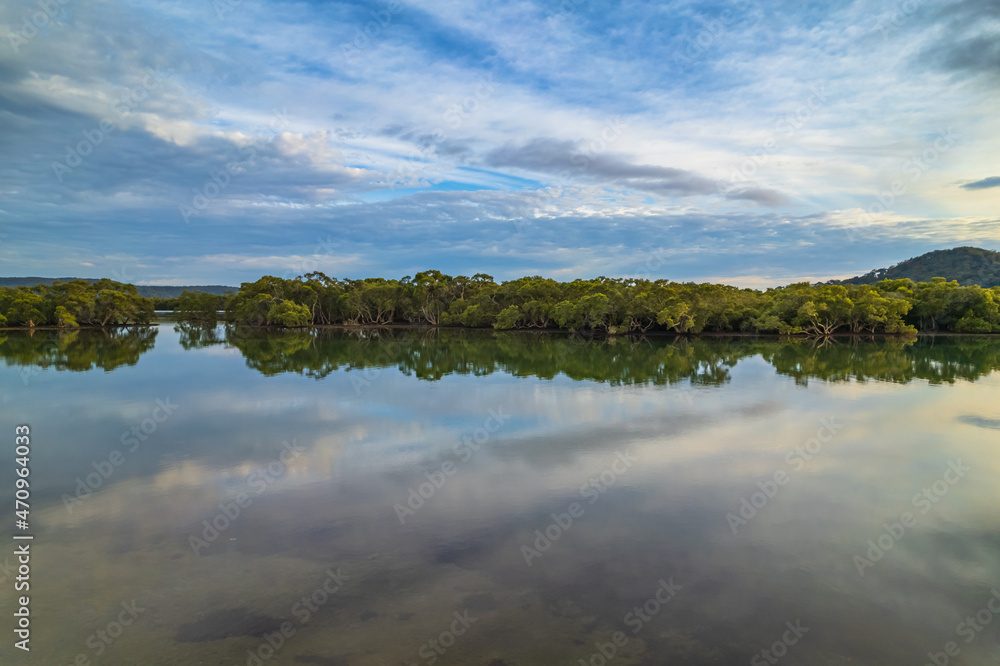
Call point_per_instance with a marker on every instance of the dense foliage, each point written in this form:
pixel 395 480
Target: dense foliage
pixel 195 306
pixel 612 306
pixel 604 306
pixel 966 265
pixel 72 304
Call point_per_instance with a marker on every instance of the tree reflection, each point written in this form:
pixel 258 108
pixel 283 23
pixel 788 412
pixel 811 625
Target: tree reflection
pixel 430 354
pixel 77 350
pixel 197 335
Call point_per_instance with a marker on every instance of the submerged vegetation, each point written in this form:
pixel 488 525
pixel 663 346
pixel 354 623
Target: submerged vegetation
pixel 605 306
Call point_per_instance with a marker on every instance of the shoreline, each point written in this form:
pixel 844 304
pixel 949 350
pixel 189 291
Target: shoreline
pixel 549 330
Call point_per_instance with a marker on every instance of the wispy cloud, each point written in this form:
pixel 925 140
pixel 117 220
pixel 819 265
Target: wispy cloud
pixel 512 138
pixel 984 184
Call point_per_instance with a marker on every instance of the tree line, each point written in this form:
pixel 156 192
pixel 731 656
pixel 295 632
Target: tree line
pixel 74 304
pixel 605 306
pixel 608 306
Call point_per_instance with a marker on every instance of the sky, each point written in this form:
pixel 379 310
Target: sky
pixel 749 142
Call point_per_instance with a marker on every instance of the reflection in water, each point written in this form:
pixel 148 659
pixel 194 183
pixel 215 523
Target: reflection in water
pixel 422 495
pixel 77 350
pixel 194 336
pixel 434 353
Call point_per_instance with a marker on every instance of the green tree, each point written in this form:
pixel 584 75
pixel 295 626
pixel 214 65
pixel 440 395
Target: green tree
pixel 196 306
pixel 289 315
pixel 508 318
pixel 64 319
pixel 25 310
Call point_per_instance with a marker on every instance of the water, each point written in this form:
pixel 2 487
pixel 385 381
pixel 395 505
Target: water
pixel 419 497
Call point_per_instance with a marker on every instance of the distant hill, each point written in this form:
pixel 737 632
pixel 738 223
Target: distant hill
pixel 968 265
pixel 152 291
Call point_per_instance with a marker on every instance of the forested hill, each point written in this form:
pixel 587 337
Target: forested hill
pixel 967 265
pixel 150 291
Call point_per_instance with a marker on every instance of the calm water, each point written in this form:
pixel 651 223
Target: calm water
pixel 480 499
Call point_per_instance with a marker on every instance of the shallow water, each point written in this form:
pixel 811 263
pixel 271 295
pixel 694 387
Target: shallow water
pixel 474 498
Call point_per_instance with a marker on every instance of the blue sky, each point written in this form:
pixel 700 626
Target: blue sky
pixel 749 142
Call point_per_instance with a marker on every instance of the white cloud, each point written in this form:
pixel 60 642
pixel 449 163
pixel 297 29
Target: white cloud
pixel 814 103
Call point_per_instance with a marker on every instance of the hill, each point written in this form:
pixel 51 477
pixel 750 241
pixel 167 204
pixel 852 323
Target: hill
pixel 152 291
pixel 968 265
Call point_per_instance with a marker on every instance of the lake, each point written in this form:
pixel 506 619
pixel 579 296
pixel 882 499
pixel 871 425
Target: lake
pixel 396 497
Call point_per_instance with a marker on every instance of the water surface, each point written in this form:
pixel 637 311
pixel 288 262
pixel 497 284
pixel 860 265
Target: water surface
pixel 415 474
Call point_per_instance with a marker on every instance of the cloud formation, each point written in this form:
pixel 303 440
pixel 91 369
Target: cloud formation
pixel 985 183
pixel 746 140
